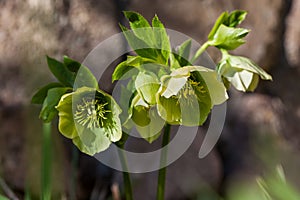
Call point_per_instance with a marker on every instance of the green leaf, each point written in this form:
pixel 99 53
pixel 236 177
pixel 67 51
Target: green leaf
pixel 85 78
pixel 41 94
pixel 217 24
pixel 140 27
pixel 235 18
pixel 161 39
pixel 147 85
pixel 48 111
pixel 138 45
pixel 123 71
pixel 183 53
pixel 174 63
pixel 136 20
pixel 229 38
pixel 231 20
pixel 129 68
pixel 61 72
pixel 71 64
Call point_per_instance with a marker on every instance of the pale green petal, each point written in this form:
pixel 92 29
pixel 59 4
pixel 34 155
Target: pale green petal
pixel 254 83
pixel 147 85
pixel 244 81
pixel 249 65
pixel 100 143
pixel 172 85
pixel 237 82
pixel 169 109
pixel 66 123
pixel 246 78
pixel 151 131
pixel 216 88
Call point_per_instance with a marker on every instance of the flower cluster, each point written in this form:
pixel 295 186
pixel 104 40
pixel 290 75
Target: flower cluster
pixel 164 86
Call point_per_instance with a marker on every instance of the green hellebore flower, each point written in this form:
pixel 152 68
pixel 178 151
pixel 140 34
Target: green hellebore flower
pixel 241 72
pixel 187 95
pixel 145 118
pixel 89 117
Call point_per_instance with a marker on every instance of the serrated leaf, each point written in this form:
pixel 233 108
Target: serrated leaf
pixel 129 68
pixel 161 39
pixel 123 71
pixel 147 85
pixel 228 19
pixel 85 78
pixel 48 111
pixel 139 46
pixel 71 64
pixel 61 72
pixel 174 63
pixel 41 94
pixel 235 18
pixel 217 24
pixel 140 27
pixel 229 38
pixel 183 53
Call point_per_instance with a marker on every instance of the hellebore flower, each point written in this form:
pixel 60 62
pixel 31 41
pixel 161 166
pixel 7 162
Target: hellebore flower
pixel 187 95
pixel 142 111
pixel 241 72
pixel 90 118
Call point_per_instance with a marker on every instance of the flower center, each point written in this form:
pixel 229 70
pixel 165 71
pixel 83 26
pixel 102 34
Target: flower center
pixel 189 88
pixel 91 113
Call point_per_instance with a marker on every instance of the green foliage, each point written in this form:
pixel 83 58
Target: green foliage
pixel 61 72
pixel 228 38
pixel 164 88
pixel 276 187
pixel 48 111
pixel 41 94
pixel 161 84
pixel 228 19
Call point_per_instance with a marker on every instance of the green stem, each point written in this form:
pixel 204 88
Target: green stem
pixel 200 51
pixel 74 168
pixel 163 160
pixel 126 175
pixel 46 162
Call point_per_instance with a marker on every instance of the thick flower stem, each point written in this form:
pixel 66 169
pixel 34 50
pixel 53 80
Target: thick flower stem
pixel 163 161
pixel 200 51
pixel 46 162
pixel 126 175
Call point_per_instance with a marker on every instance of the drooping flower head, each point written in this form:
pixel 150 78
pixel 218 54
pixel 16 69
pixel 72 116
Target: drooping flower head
pixel 241 72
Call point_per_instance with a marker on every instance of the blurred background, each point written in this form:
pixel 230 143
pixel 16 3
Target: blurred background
pixel 262 129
